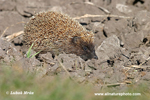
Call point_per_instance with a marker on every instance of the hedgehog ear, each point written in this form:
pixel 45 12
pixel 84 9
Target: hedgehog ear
pixel 76 39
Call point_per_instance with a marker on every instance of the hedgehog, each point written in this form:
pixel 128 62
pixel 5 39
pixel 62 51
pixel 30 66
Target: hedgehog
pixel 57 33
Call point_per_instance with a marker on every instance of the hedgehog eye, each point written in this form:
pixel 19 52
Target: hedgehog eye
pixel 85 48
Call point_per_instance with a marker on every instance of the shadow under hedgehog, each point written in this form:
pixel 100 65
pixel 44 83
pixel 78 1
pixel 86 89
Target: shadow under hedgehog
pixel 57 33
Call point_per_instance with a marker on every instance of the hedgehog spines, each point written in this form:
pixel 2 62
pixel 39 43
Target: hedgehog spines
pixel 48 30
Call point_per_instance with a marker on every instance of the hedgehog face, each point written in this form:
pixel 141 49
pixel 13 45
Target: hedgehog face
pixel 85 50
pixel 89 52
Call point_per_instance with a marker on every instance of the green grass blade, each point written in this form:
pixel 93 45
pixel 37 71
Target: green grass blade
pixel 29 51
pixel 35 54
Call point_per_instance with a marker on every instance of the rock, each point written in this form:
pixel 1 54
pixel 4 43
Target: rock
pixel 123 8
pixel 109 48
pixel 70 61
pixel 7 5
pixel 146 77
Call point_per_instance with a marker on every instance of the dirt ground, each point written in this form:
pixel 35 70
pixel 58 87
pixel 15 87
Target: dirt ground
pixel 122 40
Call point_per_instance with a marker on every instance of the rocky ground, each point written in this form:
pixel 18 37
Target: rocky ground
pixel 122 41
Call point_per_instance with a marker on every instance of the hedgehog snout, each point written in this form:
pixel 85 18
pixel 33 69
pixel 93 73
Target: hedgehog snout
pixel 94 55
pixel 89 55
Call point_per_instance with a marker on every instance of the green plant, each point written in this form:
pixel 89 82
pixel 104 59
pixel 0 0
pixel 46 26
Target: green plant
pixel 29 52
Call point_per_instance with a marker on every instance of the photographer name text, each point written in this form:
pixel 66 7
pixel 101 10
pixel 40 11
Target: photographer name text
pixel 20 92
